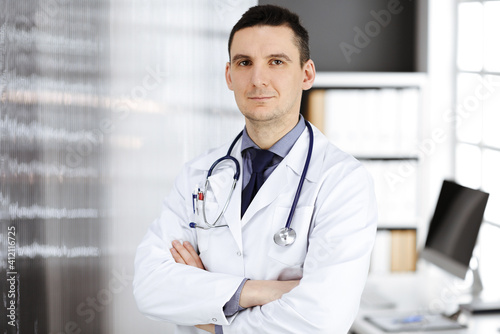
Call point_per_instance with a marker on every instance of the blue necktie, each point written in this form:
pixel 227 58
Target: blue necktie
pixel 261 160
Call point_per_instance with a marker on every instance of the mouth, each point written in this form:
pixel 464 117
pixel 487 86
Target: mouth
pixel 260 98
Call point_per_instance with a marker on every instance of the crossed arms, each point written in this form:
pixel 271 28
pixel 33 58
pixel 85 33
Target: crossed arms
pixel 172 285
pixel 254 292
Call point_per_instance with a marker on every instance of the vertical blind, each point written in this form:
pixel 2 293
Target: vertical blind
pixel 101 104
pixel 53 60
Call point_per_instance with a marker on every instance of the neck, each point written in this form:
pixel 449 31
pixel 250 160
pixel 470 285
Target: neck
pixel 266 134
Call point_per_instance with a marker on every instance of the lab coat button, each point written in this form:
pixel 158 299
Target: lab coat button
pixel 238 253
pixel 214 319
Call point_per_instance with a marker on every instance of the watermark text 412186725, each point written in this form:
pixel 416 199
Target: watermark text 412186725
pixel 11 276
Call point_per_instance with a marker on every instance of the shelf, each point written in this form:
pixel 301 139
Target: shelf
pixel 386 158
pixel 375 116
pixel 369 79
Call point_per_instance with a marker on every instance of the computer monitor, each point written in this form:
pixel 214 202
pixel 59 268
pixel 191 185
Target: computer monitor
pixel 454 228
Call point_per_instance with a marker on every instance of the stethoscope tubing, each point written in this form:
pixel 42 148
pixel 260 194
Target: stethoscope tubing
pixel 214 224
pixel 226 157
pixel 302 176
pixel 236 177
pixel 286 229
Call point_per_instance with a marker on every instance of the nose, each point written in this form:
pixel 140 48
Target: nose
pixel 260 76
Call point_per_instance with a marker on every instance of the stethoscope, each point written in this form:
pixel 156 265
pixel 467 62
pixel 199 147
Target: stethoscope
pixel 286 235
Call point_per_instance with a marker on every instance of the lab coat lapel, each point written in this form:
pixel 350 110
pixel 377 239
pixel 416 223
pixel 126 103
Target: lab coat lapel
pixel 233 214
pixel 297 156
pixel 221 182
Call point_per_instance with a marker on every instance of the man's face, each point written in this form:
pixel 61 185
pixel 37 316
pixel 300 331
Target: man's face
pixel 265 74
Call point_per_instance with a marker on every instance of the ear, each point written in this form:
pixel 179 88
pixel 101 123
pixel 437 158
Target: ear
pixel 309 71
pixel 229 81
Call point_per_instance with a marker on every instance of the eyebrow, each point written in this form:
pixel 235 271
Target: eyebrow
pixel 280 55
pixel 240 56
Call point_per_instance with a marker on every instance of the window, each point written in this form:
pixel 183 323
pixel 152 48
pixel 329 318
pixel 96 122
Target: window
pixel 477 118
pixel 477 113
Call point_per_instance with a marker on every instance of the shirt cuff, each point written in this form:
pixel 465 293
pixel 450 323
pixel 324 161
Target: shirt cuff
pixel 233 305
pixel 218 329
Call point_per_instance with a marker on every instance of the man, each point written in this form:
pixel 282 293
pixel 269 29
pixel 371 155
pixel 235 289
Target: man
pixel 234 278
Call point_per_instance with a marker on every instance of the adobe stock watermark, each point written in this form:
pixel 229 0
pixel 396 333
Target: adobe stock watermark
pixel 92 305
pixel 225 7
pixel 448 296
pixel 121 109
pixel 427 147
pixel 364 36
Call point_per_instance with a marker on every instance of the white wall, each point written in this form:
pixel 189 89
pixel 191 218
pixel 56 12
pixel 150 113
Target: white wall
pixel 172 103
pixel 438 133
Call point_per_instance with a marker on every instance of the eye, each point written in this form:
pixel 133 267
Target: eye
pixel 277 62
pixel 244 63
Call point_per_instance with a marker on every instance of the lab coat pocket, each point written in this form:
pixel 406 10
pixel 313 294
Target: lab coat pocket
pixel 203 239
pixel 295 253
pixel 203 235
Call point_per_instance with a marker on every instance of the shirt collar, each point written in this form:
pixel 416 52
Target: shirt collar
pixel 282 146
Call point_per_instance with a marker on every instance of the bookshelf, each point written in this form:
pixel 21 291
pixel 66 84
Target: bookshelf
pixel 376 117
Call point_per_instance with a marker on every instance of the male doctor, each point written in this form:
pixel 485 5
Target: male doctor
pixel 235 278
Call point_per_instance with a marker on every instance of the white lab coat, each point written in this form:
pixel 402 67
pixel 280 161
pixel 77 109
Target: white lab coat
pixel 335 221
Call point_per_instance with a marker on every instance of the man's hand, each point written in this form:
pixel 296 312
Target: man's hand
pixel 209 328
pixel 185 253
pixel 256 293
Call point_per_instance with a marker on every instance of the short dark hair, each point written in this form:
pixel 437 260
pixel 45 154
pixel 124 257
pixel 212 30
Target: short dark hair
pixel 272 15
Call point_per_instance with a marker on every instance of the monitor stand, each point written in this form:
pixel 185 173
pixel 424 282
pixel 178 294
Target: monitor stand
pixel 478 305
pixel 477 284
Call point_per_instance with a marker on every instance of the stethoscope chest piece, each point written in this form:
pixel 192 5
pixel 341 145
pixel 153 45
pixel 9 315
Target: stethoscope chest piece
pixel 285 236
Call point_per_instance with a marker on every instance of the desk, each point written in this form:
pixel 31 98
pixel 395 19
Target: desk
pixel 423 292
